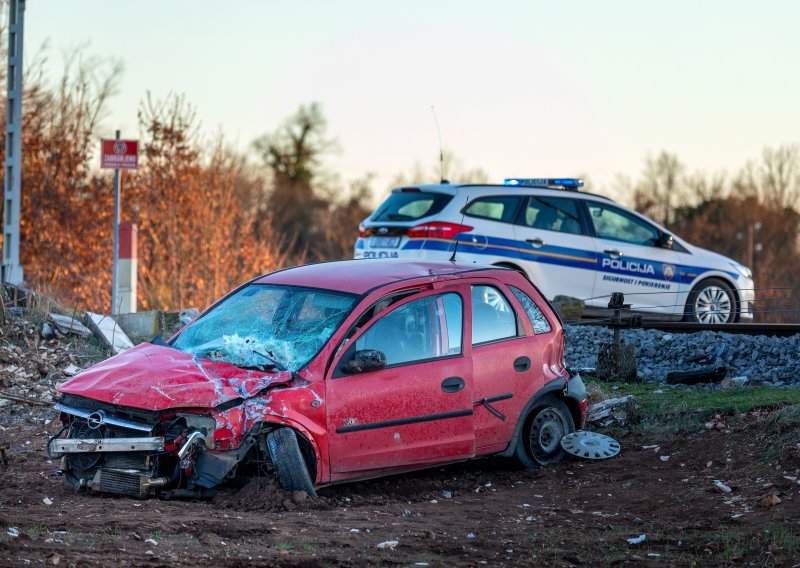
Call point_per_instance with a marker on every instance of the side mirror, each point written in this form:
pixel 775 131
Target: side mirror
pixel 364 361
pixel 665 240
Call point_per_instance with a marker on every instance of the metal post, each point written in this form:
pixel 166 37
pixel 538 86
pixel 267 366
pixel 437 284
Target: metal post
pixel 12 194
pixel 114 306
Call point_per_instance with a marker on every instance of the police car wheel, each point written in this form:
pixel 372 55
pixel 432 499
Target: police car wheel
pixel 711 302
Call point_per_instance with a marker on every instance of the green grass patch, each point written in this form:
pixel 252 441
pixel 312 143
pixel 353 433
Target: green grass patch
pixel 667 410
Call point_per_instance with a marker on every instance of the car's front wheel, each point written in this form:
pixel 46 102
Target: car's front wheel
pixel 712 301
pixel 539 442
pixel 287 457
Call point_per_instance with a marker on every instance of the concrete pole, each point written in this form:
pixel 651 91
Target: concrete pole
pixel 12 194
pixel 128 269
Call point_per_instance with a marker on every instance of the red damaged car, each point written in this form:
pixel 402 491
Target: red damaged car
pixel 328 373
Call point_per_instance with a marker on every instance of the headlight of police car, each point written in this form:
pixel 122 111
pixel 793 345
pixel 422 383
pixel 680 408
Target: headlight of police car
pixel 743 270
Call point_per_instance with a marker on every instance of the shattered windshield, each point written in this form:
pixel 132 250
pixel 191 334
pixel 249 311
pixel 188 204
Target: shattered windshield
pixel 267 327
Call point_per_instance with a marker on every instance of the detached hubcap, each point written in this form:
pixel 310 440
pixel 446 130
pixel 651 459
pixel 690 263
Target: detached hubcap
pixel 713 305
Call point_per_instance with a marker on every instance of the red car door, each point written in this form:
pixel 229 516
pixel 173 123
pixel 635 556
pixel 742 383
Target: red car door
pixel 415 411
pixel 508 364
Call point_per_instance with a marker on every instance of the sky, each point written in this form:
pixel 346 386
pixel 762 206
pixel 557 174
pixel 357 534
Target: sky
pixel 521 88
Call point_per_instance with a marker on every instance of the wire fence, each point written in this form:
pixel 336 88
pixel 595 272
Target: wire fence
pixel 772 304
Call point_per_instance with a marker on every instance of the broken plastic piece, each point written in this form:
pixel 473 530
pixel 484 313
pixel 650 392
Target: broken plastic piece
pixel 638 539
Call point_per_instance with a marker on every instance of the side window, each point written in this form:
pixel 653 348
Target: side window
pixel 424 329
pixel 538 321
pixel 492 316
pixel 617 225
pixel 500 208
pixel 552 214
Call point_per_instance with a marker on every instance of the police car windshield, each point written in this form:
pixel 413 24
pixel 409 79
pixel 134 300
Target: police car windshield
pixel 410 206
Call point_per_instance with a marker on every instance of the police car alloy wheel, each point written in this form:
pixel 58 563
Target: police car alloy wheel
pixel 712 302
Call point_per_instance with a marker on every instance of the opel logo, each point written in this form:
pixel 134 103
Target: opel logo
pixel 96 419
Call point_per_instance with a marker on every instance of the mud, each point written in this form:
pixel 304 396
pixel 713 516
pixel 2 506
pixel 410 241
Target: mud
pixel 575 513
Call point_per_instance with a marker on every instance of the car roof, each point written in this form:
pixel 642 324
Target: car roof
pixel 363 275
pixel 455 188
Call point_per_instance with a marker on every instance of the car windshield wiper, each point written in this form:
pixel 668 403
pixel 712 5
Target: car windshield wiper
pixel 271 361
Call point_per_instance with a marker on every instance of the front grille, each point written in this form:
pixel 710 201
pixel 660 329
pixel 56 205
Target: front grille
pixel 118 482
pixel 126 461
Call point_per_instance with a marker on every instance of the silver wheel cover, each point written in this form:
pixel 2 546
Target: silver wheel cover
pixel 713 304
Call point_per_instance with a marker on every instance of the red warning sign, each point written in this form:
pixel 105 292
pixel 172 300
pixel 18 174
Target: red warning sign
pixel 119 154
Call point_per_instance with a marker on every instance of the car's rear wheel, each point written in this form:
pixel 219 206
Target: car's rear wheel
pixel 539 442
pixel 712 301
pixel 287 457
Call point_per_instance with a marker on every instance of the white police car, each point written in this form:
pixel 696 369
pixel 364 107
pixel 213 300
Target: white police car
pixel 568 242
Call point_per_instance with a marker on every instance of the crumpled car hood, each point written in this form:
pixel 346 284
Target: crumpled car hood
pixel 153 377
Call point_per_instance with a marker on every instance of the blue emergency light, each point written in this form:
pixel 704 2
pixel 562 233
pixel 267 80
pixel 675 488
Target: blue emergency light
pixel 566 183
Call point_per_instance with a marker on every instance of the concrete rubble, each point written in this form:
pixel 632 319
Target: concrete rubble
pixel 612 411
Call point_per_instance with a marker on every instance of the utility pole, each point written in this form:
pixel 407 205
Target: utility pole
pixel 12 189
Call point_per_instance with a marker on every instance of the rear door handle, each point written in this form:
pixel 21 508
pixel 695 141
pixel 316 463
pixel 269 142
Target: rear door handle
pixel 522 364
pixel 452 384
pixel 615 253
pixel 537 242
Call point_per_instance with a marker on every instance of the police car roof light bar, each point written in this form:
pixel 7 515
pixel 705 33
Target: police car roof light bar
pixel 562 183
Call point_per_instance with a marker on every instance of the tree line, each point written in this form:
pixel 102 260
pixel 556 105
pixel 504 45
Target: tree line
pixel 210 217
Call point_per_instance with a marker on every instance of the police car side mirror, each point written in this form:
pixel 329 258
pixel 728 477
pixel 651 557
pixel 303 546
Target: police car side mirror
pixel 665 240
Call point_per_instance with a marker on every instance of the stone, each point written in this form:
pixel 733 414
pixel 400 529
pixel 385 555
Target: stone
pixel 617 363
pixel 569 308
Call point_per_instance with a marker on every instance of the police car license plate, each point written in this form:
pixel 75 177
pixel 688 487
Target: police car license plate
pixel 384 242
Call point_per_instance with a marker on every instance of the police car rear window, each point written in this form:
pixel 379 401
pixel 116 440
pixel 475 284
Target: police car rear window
pixel 410 206
pixel 500 208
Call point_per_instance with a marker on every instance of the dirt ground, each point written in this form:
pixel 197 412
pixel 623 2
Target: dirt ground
pixel 575 513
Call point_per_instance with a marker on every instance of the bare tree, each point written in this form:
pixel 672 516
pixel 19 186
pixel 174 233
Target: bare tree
pixel 292 153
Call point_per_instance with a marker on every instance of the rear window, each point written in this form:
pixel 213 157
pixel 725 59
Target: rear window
pixel 411 205
pixel 500 208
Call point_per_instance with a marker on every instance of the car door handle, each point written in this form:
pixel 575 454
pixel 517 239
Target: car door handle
pixel 536 243
pixel 522 364
pixel 452 384
pixel 616 253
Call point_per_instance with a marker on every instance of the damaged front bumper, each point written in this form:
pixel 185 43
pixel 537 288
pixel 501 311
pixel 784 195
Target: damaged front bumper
pixel 102 451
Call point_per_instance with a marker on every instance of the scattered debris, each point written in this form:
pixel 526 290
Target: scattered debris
pixel 716 423
pixel 71 370
pixel 16 398
pixel 13 532
pixel 612 411
pixel 697 376
pixel 447 494
pixel 770 500
pixel 388 544
pixel 66 325
pixel 107 330
pixel 47 501
pixel 664 458
pixel 470 535
pixel 721 487
pixel 590 445
pixel 637 539
pixel 152 541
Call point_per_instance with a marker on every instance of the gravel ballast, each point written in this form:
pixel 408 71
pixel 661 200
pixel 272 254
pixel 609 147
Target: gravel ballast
pixel 759 358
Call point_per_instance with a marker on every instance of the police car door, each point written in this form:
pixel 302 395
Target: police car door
pixel 631 261
pixel 558 252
